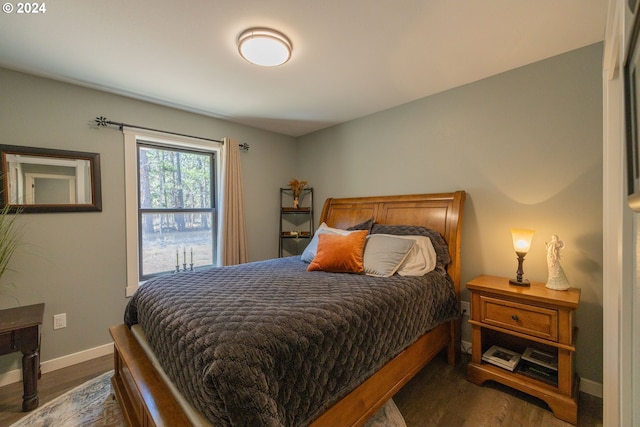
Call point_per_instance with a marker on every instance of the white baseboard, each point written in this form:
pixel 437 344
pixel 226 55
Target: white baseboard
pixel 59 363
pixel 591 387
pixel 586 386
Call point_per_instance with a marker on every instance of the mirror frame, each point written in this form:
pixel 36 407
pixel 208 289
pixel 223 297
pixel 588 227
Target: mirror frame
pixel 96 190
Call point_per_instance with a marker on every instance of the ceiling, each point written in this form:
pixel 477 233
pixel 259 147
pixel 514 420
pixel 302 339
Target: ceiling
pixel 350 58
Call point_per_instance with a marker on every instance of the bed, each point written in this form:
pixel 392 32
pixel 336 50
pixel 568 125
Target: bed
pixel 146 399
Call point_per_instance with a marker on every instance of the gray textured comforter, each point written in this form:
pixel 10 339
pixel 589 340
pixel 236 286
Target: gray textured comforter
pixel 270 344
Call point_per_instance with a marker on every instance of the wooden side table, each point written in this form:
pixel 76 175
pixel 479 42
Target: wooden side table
pixel 515 317
pixel 20 331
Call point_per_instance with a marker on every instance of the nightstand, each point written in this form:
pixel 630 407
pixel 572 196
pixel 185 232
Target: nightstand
pixel 515 318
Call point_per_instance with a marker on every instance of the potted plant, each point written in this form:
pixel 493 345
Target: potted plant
pixel 9 240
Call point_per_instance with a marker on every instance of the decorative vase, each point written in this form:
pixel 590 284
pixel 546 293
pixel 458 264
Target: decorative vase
pixel 296 202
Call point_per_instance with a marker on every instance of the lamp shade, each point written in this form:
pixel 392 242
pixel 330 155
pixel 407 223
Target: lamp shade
pixel 522 239
pixel 265 47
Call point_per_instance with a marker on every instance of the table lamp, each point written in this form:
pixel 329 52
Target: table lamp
pixel 521 243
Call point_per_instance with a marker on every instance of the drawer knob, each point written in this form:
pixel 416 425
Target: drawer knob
pixel 514 317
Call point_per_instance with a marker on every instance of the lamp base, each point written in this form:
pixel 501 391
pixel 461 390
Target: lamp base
pixel 523 282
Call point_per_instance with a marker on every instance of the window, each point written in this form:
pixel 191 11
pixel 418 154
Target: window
pixel 171 204
pixel 176 209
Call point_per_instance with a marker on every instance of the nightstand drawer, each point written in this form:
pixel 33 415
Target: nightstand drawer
pixel 527 319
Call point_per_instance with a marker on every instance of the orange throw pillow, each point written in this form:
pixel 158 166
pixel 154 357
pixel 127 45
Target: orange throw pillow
pixel 340 254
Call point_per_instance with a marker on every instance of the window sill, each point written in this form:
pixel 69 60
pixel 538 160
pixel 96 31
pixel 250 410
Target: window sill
pixel 130 290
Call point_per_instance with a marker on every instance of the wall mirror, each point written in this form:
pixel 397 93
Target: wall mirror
pixel 46 180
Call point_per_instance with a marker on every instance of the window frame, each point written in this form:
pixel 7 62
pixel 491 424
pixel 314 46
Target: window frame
pixel 131 138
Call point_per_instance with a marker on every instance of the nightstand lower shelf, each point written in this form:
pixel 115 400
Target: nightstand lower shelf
pixel 563 407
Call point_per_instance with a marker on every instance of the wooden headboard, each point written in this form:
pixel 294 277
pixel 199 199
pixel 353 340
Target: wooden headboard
pixel 441 212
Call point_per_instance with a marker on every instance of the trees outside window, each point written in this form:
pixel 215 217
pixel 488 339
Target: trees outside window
pixel 176 208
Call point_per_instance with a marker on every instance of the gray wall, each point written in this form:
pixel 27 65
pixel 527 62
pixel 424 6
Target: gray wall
pixel 526 145
pixel 75 262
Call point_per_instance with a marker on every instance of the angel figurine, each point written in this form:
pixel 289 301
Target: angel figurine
pixel 557 279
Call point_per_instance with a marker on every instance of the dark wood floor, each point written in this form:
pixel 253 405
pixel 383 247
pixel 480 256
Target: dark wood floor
pixel 439 395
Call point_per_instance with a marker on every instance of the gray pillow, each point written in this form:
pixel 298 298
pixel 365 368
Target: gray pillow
pixel 439 244
pixel 366 225
pixel 384 254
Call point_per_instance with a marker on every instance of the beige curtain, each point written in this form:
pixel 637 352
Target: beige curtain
pixel 234 234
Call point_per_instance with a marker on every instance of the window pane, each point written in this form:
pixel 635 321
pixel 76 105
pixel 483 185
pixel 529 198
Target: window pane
pixel 162 239
pixel 173 179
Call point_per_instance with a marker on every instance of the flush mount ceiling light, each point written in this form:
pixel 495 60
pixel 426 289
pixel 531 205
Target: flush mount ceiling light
pixel 265 47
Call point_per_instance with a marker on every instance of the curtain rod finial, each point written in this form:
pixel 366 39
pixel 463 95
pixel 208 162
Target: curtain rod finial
pixel 101 121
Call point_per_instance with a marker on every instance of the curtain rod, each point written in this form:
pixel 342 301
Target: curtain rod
pixel 104 122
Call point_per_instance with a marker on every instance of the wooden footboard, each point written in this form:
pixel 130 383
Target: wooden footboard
pixel 143 396
pixel 359 405
pixel 145 400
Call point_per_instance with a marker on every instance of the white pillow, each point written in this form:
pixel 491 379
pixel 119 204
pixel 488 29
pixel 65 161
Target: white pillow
pixel 383 254
pixel 310 251
pixel 420 260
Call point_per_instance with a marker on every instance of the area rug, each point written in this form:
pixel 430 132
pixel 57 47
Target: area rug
pixel 92 404
pixel 89 404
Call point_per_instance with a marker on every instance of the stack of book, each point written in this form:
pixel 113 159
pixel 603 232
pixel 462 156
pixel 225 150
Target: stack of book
pixel 540 365
pixel 502 357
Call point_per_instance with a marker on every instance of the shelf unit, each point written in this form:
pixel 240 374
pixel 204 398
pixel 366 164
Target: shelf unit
pixel 296 223
pixel 514 318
